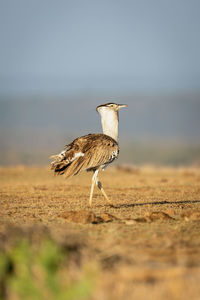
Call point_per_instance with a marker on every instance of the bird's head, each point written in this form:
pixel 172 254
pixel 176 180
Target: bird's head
pixel 110 107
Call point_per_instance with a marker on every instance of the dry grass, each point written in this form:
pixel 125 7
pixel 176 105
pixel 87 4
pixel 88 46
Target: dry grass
pixel 150 250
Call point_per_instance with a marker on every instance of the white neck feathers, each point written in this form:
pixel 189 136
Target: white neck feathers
pixel 109 122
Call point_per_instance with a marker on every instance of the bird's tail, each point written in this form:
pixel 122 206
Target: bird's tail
pixel 67 162
pixel 59 165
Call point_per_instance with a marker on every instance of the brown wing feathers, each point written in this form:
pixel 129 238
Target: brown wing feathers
pixel 85 153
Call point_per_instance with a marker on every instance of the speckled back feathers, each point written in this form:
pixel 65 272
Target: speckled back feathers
pixel 88 152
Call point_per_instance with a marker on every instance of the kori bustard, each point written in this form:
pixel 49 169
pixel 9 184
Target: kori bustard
pixel 92 152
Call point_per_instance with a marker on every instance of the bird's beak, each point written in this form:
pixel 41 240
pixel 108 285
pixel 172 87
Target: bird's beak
pixel 122 105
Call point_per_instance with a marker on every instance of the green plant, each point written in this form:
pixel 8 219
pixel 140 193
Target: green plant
pixel 40 272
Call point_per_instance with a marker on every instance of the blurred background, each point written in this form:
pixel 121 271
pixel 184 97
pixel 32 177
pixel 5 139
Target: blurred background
pixel 60 59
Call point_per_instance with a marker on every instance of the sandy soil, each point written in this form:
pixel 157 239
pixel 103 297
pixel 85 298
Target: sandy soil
pixel 146 247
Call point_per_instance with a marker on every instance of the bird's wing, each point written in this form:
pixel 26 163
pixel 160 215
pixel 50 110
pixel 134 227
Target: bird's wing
pixel 86 152
pixel 98 149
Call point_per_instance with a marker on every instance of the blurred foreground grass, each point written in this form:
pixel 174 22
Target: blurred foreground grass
pixel 30 271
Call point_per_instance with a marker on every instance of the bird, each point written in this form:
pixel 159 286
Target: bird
pixel 92 152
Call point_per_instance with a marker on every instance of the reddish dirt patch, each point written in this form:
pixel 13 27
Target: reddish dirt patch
pixel 191 215
pixel 86 217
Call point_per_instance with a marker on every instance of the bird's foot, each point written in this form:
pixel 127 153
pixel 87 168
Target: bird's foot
pixel 110 203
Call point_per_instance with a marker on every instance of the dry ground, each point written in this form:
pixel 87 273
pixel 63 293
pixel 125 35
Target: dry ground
pixel 150 249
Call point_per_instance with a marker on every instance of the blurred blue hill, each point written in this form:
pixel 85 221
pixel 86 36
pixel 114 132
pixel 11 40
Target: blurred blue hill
pixel 161 129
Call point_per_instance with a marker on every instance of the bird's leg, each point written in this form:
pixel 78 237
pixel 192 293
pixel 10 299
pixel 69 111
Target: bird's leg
pixel 98 183
pixel 94 180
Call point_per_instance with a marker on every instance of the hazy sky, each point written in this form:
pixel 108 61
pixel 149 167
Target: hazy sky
pixel 121 45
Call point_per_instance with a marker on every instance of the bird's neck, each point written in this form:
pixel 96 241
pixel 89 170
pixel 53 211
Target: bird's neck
pixel 109 122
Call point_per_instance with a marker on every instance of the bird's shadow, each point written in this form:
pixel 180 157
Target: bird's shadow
pixel 156 203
